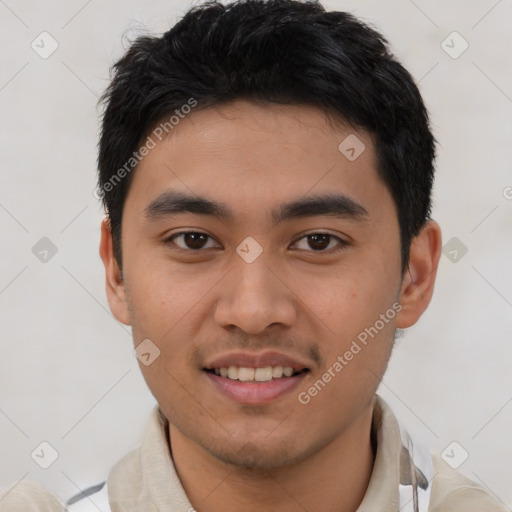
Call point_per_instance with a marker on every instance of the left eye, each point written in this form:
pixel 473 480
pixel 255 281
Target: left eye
pixel 195 241
pixel 321 241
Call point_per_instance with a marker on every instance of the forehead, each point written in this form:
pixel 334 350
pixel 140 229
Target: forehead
pixel 249 155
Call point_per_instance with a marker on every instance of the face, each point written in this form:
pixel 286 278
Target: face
pixel 272 276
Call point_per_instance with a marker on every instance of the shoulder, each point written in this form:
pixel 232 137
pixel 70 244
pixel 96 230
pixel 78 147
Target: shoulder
pixel 453 492
pixel 27 496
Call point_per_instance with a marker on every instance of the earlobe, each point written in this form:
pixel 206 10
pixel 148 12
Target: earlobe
pixel 419 279
pixel 114 284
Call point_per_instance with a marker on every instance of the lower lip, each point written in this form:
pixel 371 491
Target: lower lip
pixel 253 392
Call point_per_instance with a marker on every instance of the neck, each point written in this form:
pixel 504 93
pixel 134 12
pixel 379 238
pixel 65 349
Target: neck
pixel 334 479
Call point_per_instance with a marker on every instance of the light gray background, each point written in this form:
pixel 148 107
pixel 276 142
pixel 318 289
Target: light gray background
pixel 67 371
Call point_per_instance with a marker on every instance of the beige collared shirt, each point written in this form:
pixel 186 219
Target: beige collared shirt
pixel 145 480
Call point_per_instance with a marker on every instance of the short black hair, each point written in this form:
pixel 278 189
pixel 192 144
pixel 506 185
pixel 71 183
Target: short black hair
pixel 270 51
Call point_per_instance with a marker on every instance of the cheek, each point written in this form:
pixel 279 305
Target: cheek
pixel 355 322
pixel 346 302
pixel 163 297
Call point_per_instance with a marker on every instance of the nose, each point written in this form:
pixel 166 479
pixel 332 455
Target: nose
pixel 254 296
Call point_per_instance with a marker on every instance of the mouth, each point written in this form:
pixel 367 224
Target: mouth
pixel 255 379
pixel 262 374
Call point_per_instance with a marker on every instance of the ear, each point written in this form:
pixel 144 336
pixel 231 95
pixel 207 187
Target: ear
pixel 418 280
pixel 115 287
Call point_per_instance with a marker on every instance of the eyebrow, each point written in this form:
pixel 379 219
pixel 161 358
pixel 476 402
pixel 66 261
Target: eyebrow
pixel 172 203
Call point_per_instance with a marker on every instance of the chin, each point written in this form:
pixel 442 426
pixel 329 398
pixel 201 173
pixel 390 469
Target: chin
pixel 258 455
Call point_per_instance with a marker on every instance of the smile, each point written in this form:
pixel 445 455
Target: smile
pixel 263 374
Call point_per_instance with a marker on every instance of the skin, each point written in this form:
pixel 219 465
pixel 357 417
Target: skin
pixel 293 299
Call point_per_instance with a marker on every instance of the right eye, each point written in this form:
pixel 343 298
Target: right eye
pixel 192 241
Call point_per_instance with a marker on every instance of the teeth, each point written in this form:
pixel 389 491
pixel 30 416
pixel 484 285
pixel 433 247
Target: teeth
pixel 233 372
pixel 288 371
pixel 245 374
pixel 264 374
pixel 277 372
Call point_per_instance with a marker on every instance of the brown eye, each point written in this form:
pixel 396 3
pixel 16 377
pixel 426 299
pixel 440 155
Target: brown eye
pixel 195 241
pixel 190 240
pixel 318 242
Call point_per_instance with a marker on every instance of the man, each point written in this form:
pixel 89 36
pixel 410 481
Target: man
pixel 266 169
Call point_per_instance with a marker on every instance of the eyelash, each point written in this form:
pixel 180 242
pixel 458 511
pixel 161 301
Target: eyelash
pixel 342 243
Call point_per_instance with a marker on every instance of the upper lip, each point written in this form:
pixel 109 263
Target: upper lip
pixel 255 360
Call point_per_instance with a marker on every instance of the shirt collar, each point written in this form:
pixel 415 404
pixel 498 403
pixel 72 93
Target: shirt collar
pixel 382 492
